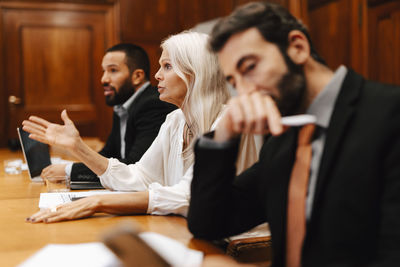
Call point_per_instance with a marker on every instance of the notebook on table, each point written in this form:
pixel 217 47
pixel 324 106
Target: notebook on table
pixel 36 154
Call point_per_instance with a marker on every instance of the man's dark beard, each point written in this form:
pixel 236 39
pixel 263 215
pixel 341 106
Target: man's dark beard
pixel 120 97
pixel 292 88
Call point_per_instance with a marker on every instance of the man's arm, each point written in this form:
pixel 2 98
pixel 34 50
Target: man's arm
pixel 219 206
pixel 222 205
pixel 388 244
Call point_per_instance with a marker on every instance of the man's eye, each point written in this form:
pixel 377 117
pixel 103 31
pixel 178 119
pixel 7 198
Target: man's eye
pixel 113 70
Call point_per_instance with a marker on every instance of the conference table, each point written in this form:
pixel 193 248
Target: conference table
pixel 19 199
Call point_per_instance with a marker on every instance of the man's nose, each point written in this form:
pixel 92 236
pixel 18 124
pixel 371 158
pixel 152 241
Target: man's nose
pixel 105 78
pixel 244 87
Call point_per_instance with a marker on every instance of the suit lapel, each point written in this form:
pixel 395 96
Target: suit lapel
pixel 340 120
pixel 117 136
pixel 129 134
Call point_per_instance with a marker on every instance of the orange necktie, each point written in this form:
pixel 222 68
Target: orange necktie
pixel 296 221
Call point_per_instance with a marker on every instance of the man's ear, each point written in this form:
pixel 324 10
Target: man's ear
pixel 298 47
pixel 138 77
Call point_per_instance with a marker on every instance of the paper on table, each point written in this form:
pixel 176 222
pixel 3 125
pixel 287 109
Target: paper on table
pixel 175 253
pixel 97 255
pixel 48 200
pixel 87 254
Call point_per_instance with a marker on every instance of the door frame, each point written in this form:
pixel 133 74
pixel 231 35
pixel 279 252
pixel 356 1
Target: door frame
pixel 111 8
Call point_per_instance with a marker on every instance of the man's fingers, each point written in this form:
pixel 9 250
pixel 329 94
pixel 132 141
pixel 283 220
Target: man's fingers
pixel 255 113
pixel 249 113
pixel 236 116
pixel 274 117
pixel 261 111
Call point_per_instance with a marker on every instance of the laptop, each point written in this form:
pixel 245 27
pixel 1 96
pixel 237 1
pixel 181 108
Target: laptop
pixel 37 157
pixel 36 154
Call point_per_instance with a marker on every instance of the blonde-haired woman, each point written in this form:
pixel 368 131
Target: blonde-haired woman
pixel 189 78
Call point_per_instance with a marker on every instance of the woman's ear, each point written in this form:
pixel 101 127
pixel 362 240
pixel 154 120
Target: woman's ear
pixel 138 77
pixel 298 47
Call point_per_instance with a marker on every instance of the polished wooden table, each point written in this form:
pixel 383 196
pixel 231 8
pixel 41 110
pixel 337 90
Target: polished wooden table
pixel 19 199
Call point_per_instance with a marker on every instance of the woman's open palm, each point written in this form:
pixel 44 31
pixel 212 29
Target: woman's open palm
pixel 65 136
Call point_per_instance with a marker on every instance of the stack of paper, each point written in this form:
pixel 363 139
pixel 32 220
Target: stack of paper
pixel 98 255
pixel 48 200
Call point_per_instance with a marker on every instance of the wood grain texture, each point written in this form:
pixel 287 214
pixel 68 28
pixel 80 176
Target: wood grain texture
pixel 384 42
pixel 53 54
pixel 329 27
pixel 19 199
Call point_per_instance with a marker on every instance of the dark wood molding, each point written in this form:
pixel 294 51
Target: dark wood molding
pixel 317 3
pixel 96 2
pixel 373 3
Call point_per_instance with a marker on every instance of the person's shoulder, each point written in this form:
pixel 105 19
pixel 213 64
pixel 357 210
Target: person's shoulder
pixel 150 93
pixel 172 123
pixel 372 89
pixel 381 94
pixel 150 99
pixel 175 116
pixel 383 89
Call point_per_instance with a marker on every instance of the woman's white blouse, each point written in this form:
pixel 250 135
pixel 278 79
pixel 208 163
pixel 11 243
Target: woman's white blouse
pixel 160 171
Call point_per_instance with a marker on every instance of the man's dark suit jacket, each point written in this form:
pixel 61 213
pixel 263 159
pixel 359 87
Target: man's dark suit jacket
pixel 146 114
pixel 355 217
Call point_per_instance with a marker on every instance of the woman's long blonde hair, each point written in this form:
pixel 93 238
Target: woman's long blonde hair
pixel 198 67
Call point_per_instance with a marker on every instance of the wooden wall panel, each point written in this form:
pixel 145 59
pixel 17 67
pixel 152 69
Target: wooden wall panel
pixel 53 54
pixel 362 34
pixel 148 20
pixel 203 10
pixel 329 26
pixel 3 95
pixel 384 42
pixel 144 22
pixel 55 57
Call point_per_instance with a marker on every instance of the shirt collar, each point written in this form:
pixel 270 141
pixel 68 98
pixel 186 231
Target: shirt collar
pixel 323 104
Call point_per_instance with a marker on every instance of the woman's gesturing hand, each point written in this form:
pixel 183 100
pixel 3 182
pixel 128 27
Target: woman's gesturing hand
pixel 65 136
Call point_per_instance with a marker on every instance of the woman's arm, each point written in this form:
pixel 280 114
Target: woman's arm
pixel 118 204
pixel 174 199
pixel 66 137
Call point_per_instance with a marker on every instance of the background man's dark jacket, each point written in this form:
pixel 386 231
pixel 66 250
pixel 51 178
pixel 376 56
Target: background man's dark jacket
pixel 146 114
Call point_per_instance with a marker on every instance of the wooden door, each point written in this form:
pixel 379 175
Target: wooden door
pixel 51 59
